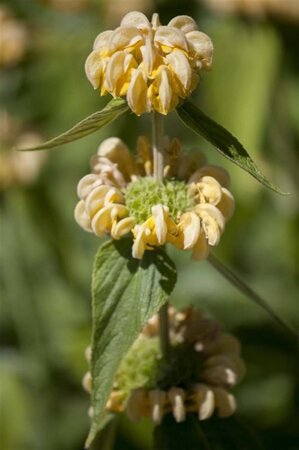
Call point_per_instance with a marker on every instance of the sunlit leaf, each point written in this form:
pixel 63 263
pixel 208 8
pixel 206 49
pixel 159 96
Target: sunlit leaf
pixel 226 144
pixel 90 124
pixel 126 293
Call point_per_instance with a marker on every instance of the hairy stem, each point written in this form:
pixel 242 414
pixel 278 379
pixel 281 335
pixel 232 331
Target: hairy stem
pixel 158 158
pixel 158 150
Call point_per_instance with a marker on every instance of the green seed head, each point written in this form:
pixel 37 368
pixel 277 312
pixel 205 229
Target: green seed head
pixel 143 194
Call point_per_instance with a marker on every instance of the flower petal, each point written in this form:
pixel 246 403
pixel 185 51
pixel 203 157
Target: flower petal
pixel 158 213
pixel 226 204
pixel 123 37
pixel 101 41
pixel 180 65
pixel 202 46
pixel 94 68
pixel 183 23
pixel 81 216
pixel 205 401
pixel 137 94
pixel 135 19
pixel 190 226
pixel 171 37
pixel 224 402
pixel 201 248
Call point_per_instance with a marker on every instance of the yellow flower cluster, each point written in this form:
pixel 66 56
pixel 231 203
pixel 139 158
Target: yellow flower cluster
pixel 221 368
pixel 104 205
pixel 154 66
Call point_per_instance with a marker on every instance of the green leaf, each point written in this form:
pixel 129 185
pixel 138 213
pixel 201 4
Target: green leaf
pixel 242 286
pixel 186 435
pixel 126 293
pixel 90 124
pixel 226 144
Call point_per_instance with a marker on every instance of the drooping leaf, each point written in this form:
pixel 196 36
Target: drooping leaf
pixel 249 292
pixel 126 293
pixel 90 124
pixel 186 435
pixel 226 144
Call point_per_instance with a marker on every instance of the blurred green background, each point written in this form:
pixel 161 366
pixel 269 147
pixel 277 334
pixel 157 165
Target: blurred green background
pixel 46 259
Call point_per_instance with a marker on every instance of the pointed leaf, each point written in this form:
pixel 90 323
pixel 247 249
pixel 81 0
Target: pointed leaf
pixel 126 293
pixel 226 144
pixel 90 124
pixel 242 286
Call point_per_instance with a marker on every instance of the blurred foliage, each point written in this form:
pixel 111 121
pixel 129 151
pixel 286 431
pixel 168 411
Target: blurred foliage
pixel 46 259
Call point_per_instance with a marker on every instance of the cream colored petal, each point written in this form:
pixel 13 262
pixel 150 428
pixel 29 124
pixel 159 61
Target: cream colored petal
pixel 226 204
pixel 224 402
pixel 123 37
pixel 158 213
pixel 205 401
pixel 94 68
pixel 211 189
pixel 136 404
pixel 184 23
pixel 226 343
pixel 96 199
pixel 135 19
pixel 155 21
pixel 118 211
pixel 101 41
pixel 213 212
pixel 177 399
pixel 227 361
pixel 81 217
pixel 157 400
pixel 202 45
pixel 86 184
pixel 219 173
pixel 115 71
pixel 124 226
pixel 87 382
pixel 139 243
pixel 190 225
pixel 165 91
pixel 137 94
pixel 171 37
pixel 117 152
pixel 201 248
pixel 181 67
pixel 149 56
pixel 102 221
pixel 114 196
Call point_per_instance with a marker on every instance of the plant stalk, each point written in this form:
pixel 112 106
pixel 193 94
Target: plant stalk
pixel 158 159
pixel 158 148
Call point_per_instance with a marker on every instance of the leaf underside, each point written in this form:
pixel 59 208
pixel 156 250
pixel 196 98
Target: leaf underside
pixel 226 144
pixel 90 124
pixel 126 293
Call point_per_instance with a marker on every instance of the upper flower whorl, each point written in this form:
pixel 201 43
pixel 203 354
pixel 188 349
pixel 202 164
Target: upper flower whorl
pixel 154 66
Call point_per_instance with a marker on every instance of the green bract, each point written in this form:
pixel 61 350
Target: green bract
pixel 143 194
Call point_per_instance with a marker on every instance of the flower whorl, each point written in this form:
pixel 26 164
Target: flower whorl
pixel 154 66
pixel 189 209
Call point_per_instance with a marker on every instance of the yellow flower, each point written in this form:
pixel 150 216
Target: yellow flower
pixel 188 210
pixel 153 66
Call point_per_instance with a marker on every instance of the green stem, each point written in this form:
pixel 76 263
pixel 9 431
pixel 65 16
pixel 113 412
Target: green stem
pixel 158 150
pixel 158 158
